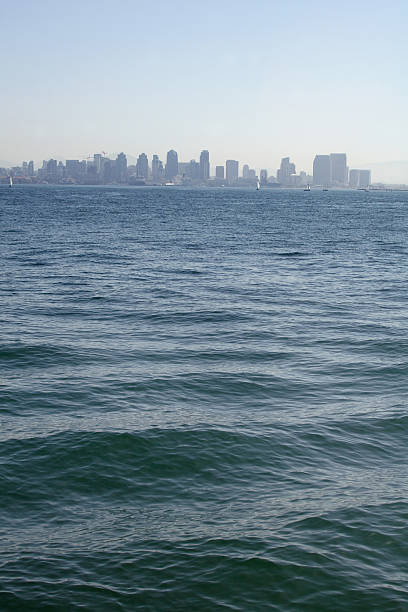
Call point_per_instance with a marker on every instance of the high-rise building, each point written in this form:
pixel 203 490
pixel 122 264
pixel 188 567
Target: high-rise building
pixel 204 165
pixel 263 177
pixel 121 168
pixel 31 168
pixel 219 172
pixel 109 171
pixel 98 162
pixel 194 170
pixel 184 169
pixel 365 179
pixel 142 166
pixel 157 169
pixel 171 165
pixel 285 171
pixel 245 171
pixel 72 168
pixel 231 167
pixel 52 169
pixel 321 170
pixel 354 178
pixel 338 169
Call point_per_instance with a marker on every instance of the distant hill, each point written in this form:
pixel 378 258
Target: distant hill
pixel 394 172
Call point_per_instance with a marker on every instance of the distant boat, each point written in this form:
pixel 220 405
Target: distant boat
pixel 307 188
pixel 10 181
pixel 325 189
pixel 258 186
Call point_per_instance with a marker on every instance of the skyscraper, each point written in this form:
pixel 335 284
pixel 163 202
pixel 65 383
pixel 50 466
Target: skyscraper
pixel 285 171
pixel 338 169
pixel 321 170
pixel 121 168
pixel 219 172
pixel 72 168
pixel 194 170
pixel 354 178
pixel 98 162
pixel 157 168
pixel 204 165
pixel 171 165
pixel 263 177
pixel 231 166
pixel 31 168
pixel 52 169
pixel 142 166
pixel 245 171
pixel 365 179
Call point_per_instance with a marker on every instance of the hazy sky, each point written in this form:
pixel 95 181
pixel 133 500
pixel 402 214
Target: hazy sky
pixel 253 81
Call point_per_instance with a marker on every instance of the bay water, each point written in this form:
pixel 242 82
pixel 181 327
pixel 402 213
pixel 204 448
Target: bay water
pixel 203 399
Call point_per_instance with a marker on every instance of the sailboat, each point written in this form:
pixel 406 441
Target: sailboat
pixel 258 186
pixel 307 188
pixel 10 181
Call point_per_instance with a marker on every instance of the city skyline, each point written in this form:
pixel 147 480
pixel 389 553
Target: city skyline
pixel 381 172
pixel 253 85
pixel 329 170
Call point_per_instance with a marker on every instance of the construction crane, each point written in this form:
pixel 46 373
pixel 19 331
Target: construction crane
pixel 91 156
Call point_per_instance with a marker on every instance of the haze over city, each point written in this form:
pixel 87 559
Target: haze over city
pixel 255 86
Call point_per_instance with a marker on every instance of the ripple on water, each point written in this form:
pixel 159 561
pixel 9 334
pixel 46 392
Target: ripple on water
pixel 203 400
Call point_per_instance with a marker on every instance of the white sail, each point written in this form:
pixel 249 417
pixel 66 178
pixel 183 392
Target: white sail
pixel 10 181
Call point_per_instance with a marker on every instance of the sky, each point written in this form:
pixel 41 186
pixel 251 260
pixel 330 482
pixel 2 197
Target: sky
pixel 252 81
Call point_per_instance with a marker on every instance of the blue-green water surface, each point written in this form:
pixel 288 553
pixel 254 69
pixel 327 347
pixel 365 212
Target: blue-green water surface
pixel 203 400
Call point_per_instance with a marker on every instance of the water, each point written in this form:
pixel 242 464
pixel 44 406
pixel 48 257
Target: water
pixel 203 400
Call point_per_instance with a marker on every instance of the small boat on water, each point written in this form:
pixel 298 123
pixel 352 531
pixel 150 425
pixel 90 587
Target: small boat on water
pixel 258 186
pixel 10 181
pixel 307 188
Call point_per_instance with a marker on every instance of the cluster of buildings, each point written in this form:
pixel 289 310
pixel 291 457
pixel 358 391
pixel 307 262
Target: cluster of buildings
pixel 332 171
pixel 328 171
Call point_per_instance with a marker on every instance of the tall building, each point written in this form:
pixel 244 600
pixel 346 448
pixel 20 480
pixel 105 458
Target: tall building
pixel 321 170
pixel 263 177
pixel 194 170
pixel 31 168
pixel 171 165
pixel 72 168
pixel 338 169
pixel 98 162
pixel 219 172
pixel 231 166
pixel 157 169
pixel 121 168
pixel 109 174
pixel 365 179
pixel 52 169
pixel 285 171
pixel 60 171
pixel 142 166
pixel 245 171
pixel 204 165
pixel 354 178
